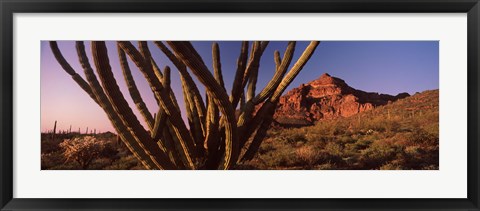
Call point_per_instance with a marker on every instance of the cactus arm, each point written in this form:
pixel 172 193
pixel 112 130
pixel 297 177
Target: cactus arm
pixel 245 117
pixel 197 130
pixel 160 121
pixel 244 120
pixel 172 151
pixel 279 73
pixel 97 90
pixel 147 56
pixel 158 129
pixel 166 80
pixel 66 66
pixel 247 111
pixel 261 120
pixel 188 79
pixel 196 100
pixel 179 128
pixel 252 84
pixel 242 101
pixel 177 143
pixel 264 45
pixel 212 139
pixel 217 65
pixel 193 118
pixel 251 74
pixel 124 134
pixel 156 69
pixel 161 134
pixel 166 139
pixel 260 134
pixel 149 62
pixel 159 75
pixel 144 50
pixel 191 58
pixel 146 70
pixel 238 81
pixel 297 67
pixel 277 59
pixel 254 62
pixel 120 105
pixel 182 154
pixel 133 90
pixel 255 55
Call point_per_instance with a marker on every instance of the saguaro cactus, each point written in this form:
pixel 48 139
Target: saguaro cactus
pixel 212 138
pixel 54 130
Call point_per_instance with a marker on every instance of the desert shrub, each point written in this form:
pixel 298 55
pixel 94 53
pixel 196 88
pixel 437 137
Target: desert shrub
pixel 422 137
pixel 325 128
pixel 391 166
pixel 326 166
pixel 294 138
pixel 128 162
pixel 391 126
pixel 307 156
pixel 50 160
pixel 419 149
pixel 84 150
pixel 100 163
pixel 49 146
pixel 334 148
pixel 345 139
pixel 65 166
pixel 276 154
pixel 110 152
pixel 430 167
pixel 313 136
pixel 377 155
pixel 361 144
pixel 333 152
pixel 264 148
pixel 280 157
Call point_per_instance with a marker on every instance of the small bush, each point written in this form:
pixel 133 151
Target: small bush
pixel 84 150
pixel 307 156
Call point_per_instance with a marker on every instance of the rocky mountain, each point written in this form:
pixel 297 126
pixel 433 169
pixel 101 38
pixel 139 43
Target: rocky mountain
pixel 326 98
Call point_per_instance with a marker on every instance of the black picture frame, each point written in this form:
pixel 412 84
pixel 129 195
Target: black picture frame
pixel 10 7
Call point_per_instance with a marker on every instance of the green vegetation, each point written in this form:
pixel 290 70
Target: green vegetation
pixel 401 135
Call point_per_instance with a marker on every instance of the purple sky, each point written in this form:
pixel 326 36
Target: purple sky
pixel 388 67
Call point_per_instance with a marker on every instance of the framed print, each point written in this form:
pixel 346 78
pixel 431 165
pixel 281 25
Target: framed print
pixel 342 105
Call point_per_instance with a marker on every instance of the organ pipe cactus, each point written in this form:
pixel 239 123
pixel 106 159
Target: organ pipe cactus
pixel 218 135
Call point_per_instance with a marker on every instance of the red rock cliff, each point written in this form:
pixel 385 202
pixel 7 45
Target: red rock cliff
pixel 325 98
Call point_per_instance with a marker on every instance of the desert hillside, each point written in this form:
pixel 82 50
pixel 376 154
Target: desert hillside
pixel 398 135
